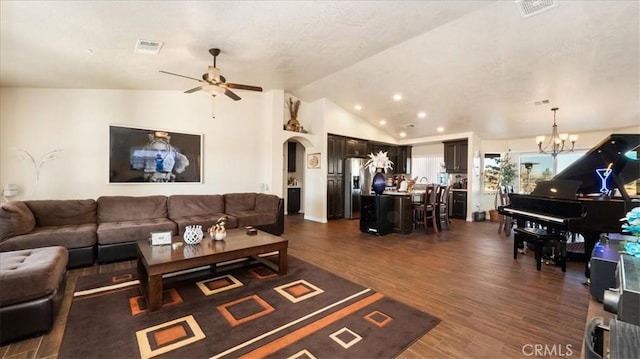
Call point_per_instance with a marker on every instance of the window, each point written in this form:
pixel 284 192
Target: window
pixel 539 167
pixel 427 167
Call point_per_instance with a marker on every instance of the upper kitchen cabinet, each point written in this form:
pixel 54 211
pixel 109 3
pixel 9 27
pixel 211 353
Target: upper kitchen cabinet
pixel 291 156
pixel 403 158
pixel 399 155
pixel 455 156
pixel 335 155
pixel 356 148
pixel 374 148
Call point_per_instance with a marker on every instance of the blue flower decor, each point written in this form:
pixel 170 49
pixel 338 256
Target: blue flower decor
pixel 632 225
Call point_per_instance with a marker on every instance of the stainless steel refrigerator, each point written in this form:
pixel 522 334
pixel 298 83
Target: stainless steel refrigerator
pixel 357 181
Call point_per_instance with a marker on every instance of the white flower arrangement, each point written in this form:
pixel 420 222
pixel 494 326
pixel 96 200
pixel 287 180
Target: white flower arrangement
pixel 380 160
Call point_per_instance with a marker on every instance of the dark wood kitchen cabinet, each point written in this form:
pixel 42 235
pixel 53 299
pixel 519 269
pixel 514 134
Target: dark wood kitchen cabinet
pixel 356 148
pixel 291 156
pixel 458 204
pixel 455 156
pixel 374 148
pixel 293 200
pixel 335 155
pixel 336 151
pixel 335 197
pixel 403 160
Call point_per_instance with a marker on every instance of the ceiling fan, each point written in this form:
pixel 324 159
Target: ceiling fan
pixel 214 83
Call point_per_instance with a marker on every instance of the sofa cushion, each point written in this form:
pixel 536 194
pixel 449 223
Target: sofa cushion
pixel 237 202
pixel 206 221
pixel 253 218
pixel 267 203
pixel 125 208
pixel 70 236
pixel 194 205
pixel 31 274
pixel 15 219
pixel 131 231
pixel 63 212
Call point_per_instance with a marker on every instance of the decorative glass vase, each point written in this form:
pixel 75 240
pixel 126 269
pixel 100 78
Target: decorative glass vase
pixel 220 234
pixel 193 234
pixel 378 183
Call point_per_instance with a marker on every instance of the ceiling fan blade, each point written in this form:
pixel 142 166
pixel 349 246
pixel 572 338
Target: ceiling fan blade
pixel 244 87
pixel 231 94
pixel 194 89
pixel 174 74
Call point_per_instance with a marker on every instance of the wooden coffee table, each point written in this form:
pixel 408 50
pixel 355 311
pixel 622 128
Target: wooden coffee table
pixel 154 261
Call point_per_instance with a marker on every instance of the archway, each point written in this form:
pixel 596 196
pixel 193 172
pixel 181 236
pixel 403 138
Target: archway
pixel 295 174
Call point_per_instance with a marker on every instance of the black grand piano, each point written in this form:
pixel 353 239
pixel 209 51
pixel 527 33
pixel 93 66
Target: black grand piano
pixel 577 200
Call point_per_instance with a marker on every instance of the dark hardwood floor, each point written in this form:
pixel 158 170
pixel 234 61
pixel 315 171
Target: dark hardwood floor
pixel 491 305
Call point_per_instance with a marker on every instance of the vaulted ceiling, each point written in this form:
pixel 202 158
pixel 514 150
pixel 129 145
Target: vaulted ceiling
pixel 476 66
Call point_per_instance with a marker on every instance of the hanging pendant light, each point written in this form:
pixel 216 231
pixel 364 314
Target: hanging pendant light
pixel 556 144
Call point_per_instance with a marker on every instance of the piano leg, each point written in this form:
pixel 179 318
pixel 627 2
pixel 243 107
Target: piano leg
pixel 538 246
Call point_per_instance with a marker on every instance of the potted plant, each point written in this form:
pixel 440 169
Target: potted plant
pixel 506 170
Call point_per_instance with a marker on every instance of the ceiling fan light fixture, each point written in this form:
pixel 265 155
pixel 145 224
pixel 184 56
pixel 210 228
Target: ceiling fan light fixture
pixel 213 90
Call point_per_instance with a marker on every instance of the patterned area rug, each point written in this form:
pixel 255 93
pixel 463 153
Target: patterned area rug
pixel 242 312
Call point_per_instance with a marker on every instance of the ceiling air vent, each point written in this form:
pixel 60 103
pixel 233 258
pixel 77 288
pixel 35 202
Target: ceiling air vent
pixel 408 125
pixel 540 102
pixel 530 8
pixel 148 47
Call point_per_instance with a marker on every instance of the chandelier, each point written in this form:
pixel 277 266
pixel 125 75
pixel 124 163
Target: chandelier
pixel 557 141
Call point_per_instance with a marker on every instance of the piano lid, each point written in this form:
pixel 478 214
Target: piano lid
pixel 562 189
pixel 610 151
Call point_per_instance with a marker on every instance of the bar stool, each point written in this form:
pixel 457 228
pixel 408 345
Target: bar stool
pixel 442 207
pixel 426 213
pixel 417 206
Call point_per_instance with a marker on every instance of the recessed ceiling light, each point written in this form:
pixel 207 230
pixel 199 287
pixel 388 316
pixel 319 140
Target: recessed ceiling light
pixel 403 134
pixel 357 107
pixel 397 97
pixel 422 114
pixel 383 122
pixel 440 129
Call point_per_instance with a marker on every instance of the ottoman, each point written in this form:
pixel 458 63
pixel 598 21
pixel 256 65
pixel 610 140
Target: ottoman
pixel 31 287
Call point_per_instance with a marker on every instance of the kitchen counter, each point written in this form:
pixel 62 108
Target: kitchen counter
pixel 395 193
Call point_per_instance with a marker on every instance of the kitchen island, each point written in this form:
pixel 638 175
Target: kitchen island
pixel 387 213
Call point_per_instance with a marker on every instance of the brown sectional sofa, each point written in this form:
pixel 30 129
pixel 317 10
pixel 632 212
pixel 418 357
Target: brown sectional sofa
pixel 34 224
pixel 122 220
pixel 205 210
pixel 33 285
pixel 110 226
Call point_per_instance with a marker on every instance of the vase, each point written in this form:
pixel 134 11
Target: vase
pixel 378 183
pixel 193 234
pixel 220 234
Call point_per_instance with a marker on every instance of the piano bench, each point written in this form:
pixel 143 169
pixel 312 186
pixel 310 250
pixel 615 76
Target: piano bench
pixel 540 238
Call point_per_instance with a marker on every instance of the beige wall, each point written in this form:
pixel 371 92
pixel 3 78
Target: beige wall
pixel 244 147
pixel 77 122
